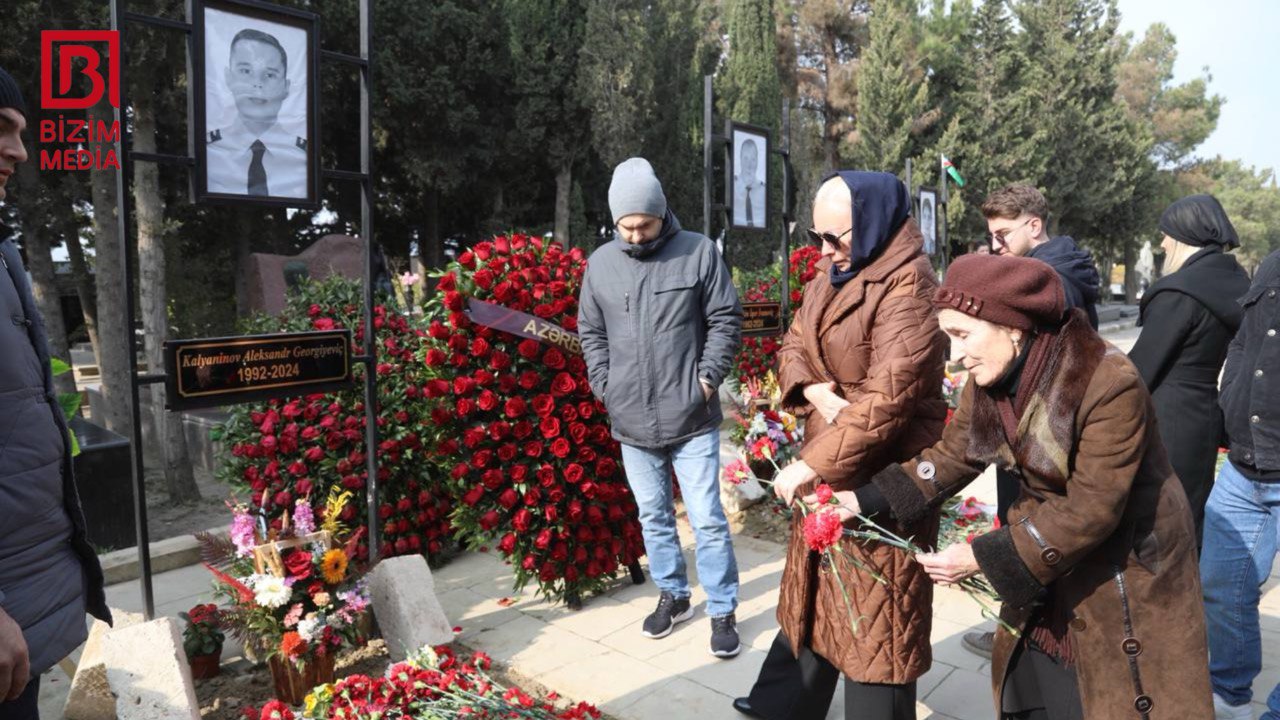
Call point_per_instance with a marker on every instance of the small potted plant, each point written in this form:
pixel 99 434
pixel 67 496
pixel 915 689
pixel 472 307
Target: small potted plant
pixel 202 640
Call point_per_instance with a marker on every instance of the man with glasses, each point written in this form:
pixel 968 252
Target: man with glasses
pixel 1017 218
pixel 1017 221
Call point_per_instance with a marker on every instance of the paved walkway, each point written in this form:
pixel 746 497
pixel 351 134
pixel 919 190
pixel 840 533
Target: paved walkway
pixel 598 654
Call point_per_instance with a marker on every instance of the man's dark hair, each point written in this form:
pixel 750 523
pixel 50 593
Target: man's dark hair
pixel 259 36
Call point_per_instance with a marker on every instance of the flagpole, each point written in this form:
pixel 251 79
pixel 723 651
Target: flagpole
pixel 944 194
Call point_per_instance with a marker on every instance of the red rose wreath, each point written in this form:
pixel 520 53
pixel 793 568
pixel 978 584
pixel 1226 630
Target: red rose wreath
pixel 526 446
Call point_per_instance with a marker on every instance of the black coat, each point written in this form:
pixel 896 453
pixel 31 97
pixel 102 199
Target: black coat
pixel 1251 381
pixel 49 574
pixel 1188 319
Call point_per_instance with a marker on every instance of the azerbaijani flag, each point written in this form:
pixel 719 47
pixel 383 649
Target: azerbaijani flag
pixel 952 171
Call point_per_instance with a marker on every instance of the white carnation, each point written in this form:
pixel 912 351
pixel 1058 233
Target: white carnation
pixel 310 628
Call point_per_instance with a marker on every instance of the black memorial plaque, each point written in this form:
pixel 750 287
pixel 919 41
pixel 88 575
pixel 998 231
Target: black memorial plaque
pixel 761 319
pixel 224 371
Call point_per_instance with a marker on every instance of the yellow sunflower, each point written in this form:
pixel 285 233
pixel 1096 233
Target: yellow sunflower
pixel 334 566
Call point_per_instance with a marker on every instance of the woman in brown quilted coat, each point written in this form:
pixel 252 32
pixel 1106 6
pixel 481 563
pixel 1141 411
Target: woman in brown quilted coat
pixel 1097 566
pixel 862 363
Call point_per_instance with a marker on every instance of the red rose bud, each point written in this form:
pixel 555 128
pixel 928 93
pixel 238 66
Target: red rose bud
pixel 490 520
pixel 507 544
pixel 521 520
pixel 509 498
pixel 543 540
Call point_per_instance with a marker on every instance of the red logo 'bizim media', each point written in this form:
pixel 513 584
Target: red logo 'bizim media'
pixel 64 55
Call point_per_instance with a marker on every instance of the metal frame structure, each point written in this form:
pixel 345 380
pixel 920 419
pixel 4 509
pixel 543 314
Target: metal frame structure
pixel 124 219
pixel 724 142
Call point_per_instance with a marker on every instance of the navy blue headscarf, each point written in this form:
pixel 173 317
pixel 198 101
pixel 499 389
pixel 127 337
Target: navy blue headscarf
pixel 881 204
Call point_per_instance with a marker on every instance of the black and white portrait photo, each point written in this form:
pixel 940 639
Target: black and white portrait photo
pixel 750 176
pixel 929 219
pixel 257 133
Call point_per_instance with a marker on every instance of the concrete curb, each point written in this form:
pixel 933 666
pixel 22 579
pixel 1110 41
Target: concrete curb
pixel 122 565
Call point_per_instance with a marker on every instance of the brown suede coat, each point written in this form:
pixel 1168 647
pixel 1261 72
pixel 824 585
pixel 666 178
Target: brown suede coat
pixel 877 337
pixel 1102 524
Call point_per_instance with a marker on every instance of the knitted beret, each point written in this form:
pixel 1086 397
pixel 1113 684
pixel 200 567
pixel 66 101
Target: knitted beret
pixel 1012 291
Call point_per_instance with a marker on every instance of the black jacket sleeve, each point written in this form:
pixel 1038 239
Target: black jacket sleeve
pixel 1166 322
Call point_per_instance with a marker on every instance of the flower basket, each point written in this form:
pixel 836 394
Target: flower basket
pixel 266 557
pixel 208 666
pixel 294 680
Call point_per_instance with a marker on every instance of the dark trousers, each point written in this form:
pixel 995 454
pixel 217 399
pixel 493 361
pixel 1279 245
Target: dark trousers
pixel 791 688
pixel 1008 488
pixel 26 707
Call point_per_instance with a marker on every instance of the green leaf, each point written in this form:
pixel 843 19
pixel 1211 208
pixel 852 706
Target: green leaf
pixel 75 444
pixel 59 366
pixel 70 403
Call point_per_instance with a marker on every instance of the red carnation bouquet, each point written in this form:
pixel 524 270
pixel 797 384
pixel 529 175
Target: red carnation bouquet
pixel 526 447
pixel 301 448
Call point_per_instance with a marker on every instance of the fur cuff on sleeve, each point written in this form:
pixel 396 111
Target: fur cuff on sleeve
pixel 905 500
pixel 1000 562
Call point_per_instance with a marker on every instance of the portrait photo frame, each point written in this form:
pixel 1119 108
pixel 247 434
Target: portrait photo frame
pixel 255 133
pixel 748 199
pixel 927 218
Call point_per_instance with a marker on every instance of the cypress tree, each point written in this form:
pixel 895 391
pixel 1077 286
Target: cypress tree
pixel 893 91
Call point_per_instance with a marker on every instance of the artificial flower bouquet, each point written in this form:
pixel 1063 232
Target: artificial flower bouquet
pixel 292 595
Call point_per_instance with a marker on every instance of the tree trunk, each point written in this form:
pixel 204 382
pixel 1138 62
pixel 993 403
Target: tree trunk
pixel 180 479
pixel 37 240
pixel 113 333
pixel 1131 272
pixel 84 288
pixel 564 193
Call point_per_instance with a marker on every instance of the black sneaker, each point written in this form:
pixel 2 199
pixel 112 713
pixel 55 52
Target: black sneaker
pixel 724 636
pixel 671 610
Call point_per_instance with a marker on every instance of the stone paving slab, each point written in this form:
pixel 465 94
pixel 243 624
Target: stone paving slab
pixel 598 654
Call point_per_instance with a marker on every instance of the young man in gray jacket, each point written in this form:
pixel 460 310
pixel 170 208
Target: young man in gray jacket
pixel 660 323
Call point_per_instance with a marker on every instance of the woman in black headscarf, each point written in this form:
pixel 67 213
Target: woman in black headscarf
pixel 1188 318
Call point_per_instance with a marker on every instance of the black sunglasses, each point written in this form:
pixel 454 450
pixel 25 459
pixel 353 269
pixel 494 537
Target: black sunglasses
pixel 818 238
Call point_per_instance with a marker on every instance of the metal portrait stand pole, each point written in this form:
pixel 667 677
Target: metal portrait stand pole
pixel 710 141
pixel 943 195
pixel 788 211
pixel 124 221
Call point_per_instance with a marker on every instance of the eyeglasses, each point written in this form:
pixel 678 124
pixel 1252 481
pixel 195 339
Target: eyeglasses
pixel 818 238
pixel 998 237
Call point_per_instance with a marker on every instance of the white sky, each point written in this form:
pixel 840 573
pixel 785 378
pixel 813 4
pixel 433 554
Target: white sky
pixel 1236 40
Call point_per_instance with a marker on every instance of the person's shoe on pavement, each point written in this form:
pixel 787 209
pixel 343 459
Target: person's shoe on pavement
pixel 1223 711
pixel 743 705
pixel 724 636
pixel 979 643
pixel 670 610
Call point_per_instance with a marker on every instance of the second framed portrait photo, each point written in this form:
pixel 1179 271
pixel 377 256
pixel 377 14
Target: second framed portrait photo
pixel 749 193
pixel 928 219
pixel 255 109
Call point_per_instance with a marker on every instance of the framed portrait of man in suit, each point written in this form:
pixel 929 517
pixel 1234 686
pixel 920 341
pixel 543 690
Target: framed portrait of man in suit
pixel 749 172
pixel 928 219
pixel 254 104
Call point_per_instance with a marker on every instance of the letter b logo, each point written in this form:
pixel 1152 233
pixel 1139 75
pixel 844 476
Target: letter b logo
pixel 73 45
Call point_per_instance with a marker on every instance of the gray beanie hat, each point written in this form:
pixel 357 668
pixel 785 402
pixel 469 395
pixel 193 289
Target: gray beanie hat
pixel 636 190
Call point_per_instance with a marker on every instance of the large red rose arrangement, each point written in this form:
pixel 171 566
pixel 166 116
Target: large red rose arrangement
pixel 300 448
pixel 526 447
pixel 759 355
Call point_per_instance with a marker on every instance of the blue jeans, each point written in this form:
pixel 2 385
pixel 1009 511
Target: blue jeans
pixel 1241 536
pixel 697 465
